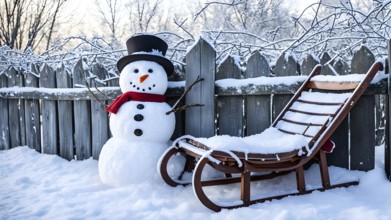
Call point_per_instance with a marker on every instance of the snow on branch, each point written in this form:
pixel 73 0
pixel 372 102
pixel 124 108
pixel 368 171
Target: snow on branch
pixel 338 29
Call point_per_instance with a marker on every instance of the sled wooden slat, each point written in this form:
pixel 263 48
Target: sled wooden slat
pixel 332 85
pixel 319 103
pixel 301 123
pixel 311 113
pixel 294 133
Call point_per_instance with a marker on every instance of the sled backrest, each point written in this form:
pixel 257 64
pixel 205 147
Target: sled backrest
pixel 319 106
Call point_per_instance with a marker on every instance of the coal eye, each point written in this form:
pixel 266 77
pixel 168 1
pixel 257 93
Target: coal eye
pixel 150 70
pixel 135 70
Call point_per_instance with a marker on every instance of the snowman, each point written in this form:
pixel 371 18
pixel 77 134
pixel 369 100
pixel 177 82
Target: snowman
pixel 139 124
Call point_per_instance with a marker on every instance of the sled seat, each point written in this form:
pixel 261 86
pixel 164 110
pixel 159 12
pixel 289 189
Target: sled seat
pixel 298 135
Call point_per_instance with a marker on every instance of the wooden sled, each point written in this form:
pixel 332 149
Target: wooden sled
pixel 245 165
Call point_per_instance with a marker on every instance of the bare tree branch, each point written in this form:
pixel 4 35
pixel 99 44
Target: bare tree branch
pixel 187 90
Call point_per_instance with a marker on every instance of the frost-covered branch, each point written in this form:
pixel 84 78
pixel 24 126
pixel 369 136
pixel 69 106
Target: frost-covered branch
pixel 245 26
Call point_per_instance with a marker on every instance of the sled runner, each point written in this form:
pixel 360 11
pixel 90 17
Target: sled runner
pixel 305 124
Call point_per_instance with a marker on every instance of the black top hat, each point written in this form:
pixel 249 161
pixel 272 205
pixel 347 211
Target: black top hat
pixel 146 47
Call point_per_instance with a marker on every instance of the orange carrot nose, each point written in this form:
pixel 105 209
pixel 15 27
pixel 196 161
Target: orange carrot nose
pixel 142 78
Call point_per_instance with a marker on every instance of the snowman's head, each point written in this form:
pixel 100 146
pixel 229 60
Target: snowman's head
pixel 143 76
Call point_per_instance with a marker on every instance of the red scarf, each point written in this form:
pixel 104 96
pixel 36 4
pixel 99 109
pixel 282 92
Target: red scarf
pixel 133 96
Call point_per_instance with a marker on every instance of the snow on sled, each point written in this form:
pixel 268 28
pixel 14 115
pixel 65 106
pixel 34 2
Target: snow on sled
pixel 299 135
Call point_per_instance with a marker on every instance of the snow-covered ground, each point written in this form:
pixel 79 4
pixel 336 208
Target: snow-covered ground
pixel 38 186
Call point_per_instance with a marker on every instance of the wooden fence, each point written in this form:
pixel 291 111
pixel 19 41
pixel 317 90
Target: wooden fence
pixel 48 111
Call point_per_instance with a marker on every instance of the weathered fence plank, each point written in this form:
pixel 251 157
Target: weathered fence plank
pixel 13 111
pixel 49 113
pixel 308 64
pixel 229 108
pixel 4 127
pixel 22 120
pixel 362 121
pixel 99 117
pixel 32 114
pixel 341 67
pixel 362 133
pixel 201 61
pixel 327 69
pixel 286 65
pixel 387 150
pixel 258 115
pixel 340 156
pixel 82 117
pixel 65 115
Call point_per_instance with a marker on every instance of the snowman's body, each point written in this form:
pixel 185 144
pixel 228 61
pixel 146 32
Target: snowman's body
pixel 143 121
pixel 141 129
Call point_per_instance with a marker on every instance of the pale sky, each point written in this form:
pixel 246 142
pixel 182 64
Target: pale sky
pixel 86 19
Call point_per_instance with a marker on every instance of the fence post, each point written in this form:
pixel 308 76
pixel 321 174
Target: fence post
pixel 286 65
pixel 340 155
pixel 82 116
pixel 65 115
pixel 32 114
pixel 258 115
pixel 229 108
pixel 387 153
pixel 201 61
pixel 362 118
pixel 99 117
pixel 13 110
pixel 4 127
pixel 49 113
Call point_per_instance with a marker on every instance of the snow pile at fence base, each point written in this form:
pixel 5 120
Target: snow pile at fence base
pixel 43 186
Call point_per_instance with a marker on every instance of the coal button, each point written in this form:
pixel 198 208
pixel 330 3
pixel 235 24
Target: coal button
pixel 140 106
pixel 138 117
pixel 138 132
